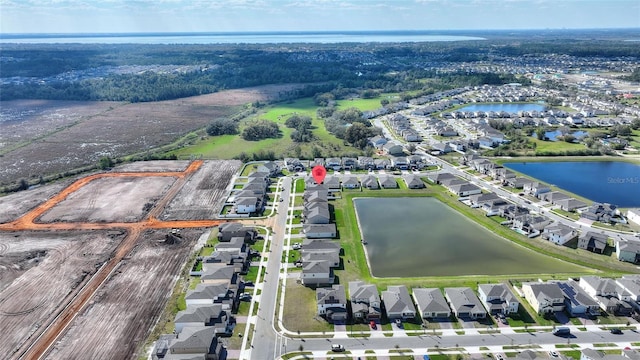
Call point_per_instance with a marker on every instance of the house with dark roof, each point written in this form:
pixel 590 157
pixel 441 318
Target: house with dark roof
pixel 331 256
pixel 577 302
pixel 223 293
pixel 397 303
pixel 464 189
pixel 593 241
pixel 570 204
pixel 194 342
pixel 498 299
pixel 530 225
pixel 431 303
pixel 229 230
pixel 628 251
pixel 535 188
pixel 215 273
pixel 205 315
pixel 365 301
pixel 332 303
pixel 438 178
pixel 464 303
pixel 553 196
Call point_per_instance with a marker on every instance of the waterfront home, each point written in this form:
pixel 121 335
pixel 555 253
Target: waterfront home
pixel 498 299
pixel 438 178
pixel 628 251
pixel 477 200
pixel 553 196
pixel 610 296
pixel 593 241
pixel 331 256
pixel 535 188
pixel 319 231
pixel 370 182
pixel 413 181
pixel 571 204
pixel 387 182
pixel 464 189
pixel 511 211
pixel 517 182
pixel 464 303
pixel 602 212
pixel 559 233
pixel 633 215
pixel 398 304
pixel 365 301
pixel 577 302
pixel 544 297
pixel 317 273
pixel 332 303
pixel 350 182
pixel 431 303
pixel 530 225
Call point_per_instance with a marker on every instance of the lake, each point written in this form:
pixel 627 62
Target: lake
pixel 414 237
pixel 553 135
pixel 510 108
pixel 319 37
pixel 614 182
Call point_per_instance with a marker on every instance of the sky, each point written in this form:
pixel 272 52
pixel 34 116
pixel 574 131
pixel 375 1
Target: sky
pixel 114 16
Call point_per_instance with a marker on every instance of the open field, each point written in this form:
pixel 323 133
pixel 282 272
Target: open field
pixel 41 138
pixel 15 205
pixel 102 200
pixel 107 281
pixel 153 166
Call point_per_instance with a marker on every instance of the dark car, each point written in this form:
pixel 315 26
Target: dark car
pixel 616 331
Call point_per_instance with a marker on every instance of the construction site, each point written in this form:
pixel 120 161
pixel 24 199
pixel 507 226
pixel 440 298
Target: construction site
pixel 87 266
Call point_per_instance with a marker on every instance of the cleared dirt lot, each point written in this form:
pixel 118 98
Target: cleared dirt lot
pixel 14 205
pixel 152 166
pixel 38 270
pixel 39 138
pixel 203 195
pixel 110 199
pixel 109 329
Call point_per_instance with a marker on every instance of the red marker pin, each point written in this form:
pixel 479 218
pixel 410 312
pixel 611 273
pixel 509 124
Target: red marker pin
pixel 319 172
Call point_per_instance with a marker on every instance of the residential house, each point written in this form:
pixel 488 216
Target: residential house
pixel 431 303
pixel 464 188
pixel 400 163
pixel 464 303
pixel 223 293
pixel 317 213
pixel 331 256
pixel 441 148
pixel 332 182
pixel 333 164
pixel 194 342
pixel 631 285
pixel 367 163
pixel 332 303
pixel 350 182
pixel 571 204
pixel 247 205
pixel 591 354
pixel 257 187
pixel 204 315
pixel 610 295
pixel 633 215
pixel 628 251
pixel 559 233
pixel 387 182
pixel 320 244
pixel 477 200
pixel 349 163
pixel 317 273
pixel 535 188
pixel 498 299
pixel 229 230
pixel 438 178
pixel 293 164
pixel 577 302
pixel 378 141
pixel 382 164
pixel 530 225
pixel 511 211
pixel 217 273
pixel 447 131
pixel 365 301
pixel 269 167
pixel 517 182
pixel 602 212
pixel 553 196
pixel 398 304
pixel 413 181
pixel 233 257
pixel 370 182
pixel 544 297
pixel 319 231
pixel 393 148
pixel 593 241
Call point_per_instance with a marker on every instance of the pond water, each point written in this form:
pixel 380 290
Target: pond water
pixel 553 135
pixel 614 182
pixel 506 107
pixel 413 237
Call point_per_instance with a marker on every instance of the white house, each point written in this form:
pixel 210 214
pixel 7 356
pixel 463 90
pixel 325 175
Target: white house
pixel 559 234
pixel 634 215
pixel 498 299
pixel 544 297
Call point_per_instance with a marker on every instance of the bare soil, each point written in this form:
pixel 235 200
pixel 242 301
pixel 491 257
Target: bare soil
pixel 203 195
pixel 120 317
pixel 117 199
pixel 38 270
pixel 40 138
pixel 152 166
pixel 15 205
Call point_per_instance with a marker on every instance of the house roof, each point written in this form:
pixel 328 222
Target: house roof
pixel 199 313
pixel 317 266
pixel 463 299
pixel 361 290
pixel 319 228
pixel 397 300
pixel 430 300
pixel 194 338
pixel 334 295
pixel 320 244
pixel 214 271
pixel 546 290
pixel 208 291
pixel 576 295
pixel 412 180
pixel 332 255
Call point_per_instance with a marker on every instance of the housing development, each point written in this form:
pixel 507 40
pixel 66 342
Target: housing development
pixel 493 220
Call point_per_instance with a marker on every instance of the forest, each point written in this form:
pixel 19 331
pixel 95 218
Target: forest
pixel 112 72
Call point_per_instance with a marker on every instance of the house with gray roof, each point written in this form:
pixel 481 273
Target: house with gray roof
pixel 593 241
pixel 223 293
pixel 370 182
pixel 438 178
pixel 536 188
pixel 204 315
pixel 270 167
pixel 332 182
pixel 393 148
pixel 628 251
pixel 229 230
pixel 194 342
pixel 544 297
pixel 366 162
pixel 382 164
pixel 591 354
pixel 498 299
pixel 320 244
pixel 331 256
pixel 464 189
pixel 387 182
pixel 397 303
pixel 530 225
pixel 477 200
pixel 319 231
pixel 317 273
pixel 413 181
pixel 553 196
pixel 431 303
pixel 630 284
pixel 464 303
pixel 559 233
pixel 215 273
pixel 365 301
pixel 318 213
pixel 350 182
pixel 611 297
pixel 517 182
pixel 571 204
pixel 332 303
pixel 577 302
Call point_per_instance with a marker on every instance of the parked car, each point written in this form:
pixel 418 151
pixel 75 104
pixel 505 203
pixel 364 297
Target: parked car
pixel 245 297
pixel 499 357
pixel 337 348
pixel 562 331
pixel 398 323
pixel 553 354
pixel 616 331
pixel 249 283
pixel 296 246
pixel 373 324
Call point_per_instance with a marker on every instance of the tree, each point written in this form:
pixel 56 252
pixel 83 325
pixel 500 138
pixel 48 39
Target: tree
pixel 222 126
pixel 411 148
pixel 296 121
pixel 23 185
pixel 105 162
pixel 358 135
pixel 384 102
pixel 540 133
pixel 261 129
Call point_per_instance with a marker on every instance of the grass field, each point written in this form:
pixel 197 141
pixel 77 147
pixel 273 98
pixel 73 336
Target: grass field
pixel 230 146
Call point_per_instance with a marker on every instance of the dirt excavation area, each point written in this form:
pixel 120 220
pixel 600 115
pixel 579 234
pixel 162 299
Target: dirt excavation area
pixel 38 270
pixel 112 199
pixel 87 265
pixel 121 315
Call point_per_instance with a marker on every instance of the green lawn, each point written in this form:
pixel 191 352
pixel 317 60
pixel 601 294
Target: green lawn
pixel 555 146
